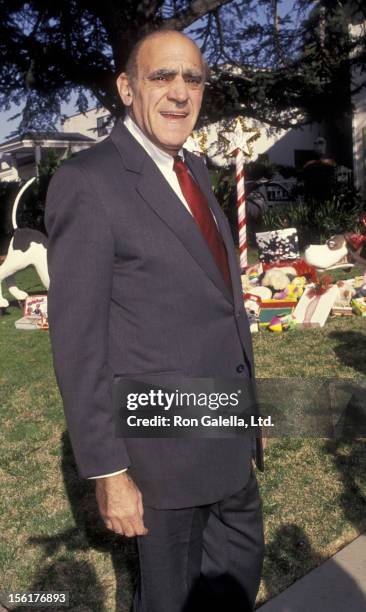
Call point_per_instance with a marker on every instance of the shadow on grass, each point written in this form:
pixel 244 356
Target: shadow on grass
pixel 290 552
pixel 349 450
pixel 79 578
pixel 351 349
pixel 349 458
pixel 63 575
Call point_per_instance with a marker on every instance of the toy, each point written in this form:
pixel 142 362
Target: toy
pixel 294 290
pixel 329 256
pixel 340 251
pixel 276 279
pixel 282 323
pixel 359 306
pixel 253 277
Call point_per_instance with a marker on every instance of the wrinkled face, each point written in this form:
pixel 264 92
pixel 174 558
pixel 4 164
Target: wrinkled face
pixel 165 97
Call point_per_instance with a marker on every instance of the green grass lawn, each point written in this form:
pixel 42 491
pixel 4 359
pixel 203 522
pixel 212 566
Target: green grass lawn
pixel 313 490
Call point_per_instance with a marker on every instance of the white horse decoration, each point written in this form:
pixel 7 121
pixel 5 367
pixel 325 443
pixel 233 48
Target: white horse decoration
pixel 27 247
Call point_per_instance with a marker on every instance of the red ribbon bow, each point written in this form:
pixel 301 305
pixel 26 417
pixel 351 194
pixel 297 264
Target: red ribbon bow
pixel 357 240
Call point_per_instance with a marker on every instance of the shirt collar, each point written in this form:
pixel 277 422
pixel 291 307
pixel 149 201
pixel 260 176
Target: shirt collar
pixel 159 156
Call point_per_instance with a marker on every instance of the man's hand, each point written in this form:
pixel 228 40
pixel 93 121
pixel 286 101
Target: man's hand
pixel 120 505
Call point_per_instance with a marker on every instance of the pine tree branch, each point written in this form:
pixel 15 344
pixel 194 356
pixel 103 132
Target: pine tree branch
pixel 198 9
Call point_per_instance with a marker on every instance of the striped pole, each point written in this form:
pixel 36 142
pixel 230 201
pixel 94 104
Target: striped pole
pixel 241 206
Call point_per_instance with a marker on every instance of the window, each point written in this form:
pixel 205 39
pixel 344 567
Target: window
pixel 103 125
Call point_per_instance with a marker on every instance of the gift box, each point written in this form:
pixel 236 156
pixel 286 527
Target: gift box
pixel 267 314
pixel 342 311
pixel 278 245
pixel 313 309
pixel 285 303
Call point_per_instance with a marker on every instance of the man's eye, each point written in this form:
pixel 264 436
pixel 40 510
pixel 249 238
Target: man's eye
pixel 194 80
pixel 160 77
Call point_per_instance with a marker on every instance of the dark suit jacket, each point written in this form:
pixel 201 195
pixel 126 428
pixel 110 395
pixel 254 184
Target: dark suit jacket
pixel 134 290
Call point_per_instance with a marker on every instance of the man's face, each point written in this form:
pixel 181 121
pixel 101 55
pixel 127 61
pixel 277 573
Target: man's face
pixel 166 96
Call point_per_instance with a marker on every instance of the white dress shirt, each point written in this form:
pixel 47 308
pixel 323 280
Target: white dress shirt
pixel 164 162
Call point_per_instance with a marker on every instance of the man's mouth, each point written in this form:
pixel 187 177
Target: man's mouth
pixel 173 115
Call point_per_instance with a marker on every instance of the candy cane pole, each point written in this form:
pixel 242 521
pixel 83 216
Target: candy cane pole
pixel 241 206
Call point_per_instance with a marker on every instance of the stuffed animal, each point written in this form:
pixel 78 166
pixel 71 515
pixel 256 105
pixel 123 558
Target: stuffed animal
pixel 276 279
pixel 294 290
pixel 296 287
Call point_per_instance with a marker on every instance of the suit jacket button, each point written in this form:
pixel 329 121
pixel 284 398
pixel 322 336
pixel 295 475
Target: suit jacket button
pixel 240 368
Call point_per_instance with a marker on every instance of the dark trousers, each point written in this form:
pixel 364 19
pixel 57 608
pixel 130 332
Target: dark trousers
pixel 204 558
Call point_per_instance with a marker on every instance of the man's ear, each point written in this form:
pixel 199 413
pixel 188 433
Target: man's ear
pixel 124 89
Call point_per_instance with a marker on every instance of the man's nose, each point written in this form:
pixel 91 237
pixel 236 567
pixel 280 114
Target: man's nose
pixel 178 89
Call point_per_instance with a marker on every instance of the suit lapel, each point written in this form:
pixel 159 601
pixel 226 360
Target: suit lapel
pixel 157 193
pixel 171 210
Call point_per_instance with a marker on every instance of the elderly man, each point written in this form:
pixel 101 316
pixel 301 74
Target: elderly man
pixel 145 281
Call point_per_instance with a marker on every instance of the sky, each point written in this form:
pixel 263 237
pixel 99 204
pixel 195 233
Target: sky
pixel 6 126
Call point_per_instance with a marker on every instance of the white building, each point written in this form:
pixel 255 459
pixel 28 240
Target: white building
pixel 94 123
pixel 19 156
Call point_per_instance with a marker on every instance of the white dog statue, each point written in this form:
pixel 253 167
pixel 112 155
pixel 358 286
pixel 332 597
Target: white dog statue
pixel 27 247
pixel 340 251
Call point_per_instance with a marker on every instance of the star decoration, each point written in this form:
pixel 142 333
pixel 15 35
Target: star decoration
pixel 237 136
pixel 197 142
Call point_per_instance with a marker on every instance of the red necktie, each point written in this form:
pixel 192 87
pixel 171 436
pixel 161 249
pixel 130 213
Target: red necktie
pixel 203 216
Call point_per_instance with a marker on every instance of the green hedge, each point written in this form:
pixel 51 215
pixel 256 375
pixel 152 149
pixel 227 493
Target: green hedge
pixel 316 221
